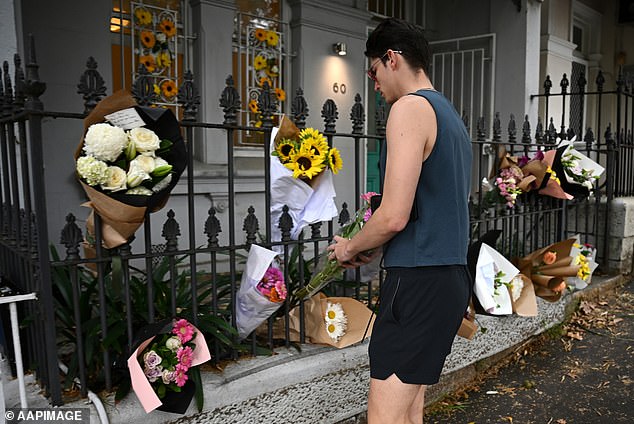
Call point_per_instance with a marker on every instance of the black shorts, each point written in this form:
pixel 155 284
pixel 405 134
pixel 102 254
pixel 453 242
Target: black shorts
pixel 419 314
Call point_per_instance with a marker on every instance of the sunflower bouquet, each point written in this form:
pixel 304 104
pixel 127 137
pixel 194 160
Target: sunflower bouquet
pixel 300 181
pixel 308 155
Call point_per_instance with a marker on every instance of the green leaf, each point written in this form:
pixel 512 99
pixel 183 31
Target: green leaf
pixel 194 375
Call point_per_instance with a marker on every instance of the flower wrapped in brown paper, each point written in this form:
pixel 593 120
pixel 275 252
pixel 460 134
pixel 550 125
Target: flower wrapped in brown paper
pixel 548 267
pixel 505 161
pixel 122 214
pixel 357 315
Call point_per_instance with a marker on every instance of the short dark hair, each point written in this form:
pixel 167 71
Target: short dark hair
pixel 397 34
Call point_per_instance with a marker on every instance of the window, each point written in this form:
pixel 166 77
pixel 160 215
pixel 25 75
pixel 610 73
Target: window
pixel 388 8
pixel 259 58
pixel 148 32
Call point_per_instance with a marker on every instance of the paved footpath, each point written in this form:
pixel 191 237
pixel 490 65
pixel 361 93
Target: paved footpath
pixel 581 372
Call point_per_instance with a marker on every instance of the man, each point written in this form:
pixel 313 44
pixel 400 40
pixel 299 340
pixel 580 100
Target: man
pixel 422 224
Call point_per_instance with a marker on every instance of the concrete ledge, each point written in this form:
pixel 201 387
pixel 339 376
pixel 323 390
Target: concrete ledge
pixel 327 385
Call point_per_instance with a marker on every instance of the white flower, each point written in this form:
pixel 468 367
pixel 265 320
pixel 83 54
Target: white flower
pixel 336 330
pixel 145 140
pixel 116 179
pixel 167 376
pixel 105 142
pixel 334 313
pixel 160 37
pixel 162 184
pixel 517 284
pixel 92 170
pixel 173 343
pixel 140 190
pixel 146 163
pixel 159 161
pixel 136 176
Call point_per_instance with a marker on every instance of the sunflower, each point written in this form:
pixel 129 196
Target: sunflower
pixel 304 164
pixel 334 160
pixel 169 89
pixel 147 39
pixel 168 28
pixel 280 94
pixel 307 133
pixel 142 16
pixel 262 80
pixel 260 34
pixel 284 149
pixel 148 62
pixel 259 62
pixel 157 89
pixel 318 146
pixel 164 59
pixel 253 106
pixel 272 38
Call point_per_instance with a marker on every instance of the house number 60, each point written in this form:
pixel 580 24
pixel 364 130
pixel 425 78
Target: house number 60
pixel 339 88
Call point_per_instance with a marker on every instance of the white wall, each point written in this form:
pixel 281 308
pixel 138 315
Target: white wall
pixel 8 43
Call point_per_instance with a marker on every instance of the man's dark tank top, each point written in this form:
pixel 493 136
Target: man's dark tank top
pixel 440 234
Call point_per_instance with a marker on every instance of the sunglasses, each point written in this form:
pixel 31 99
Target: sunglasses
pixel 372 69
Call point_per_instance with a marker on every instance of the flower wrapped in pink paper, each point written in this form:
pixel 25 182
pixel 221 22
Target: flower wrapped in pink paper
pixel 162 366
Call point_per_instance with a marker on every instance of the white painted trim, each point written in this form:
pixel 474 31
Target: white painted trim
pixel 590 21
pixel 557 47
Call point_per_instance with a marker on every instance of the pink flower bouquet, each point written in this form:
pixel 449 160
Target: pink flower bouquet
pixel 161 366
pixel 262 290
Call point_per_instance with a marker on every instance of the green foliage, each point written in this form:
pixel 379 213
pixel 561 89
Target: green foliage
pixel 215 327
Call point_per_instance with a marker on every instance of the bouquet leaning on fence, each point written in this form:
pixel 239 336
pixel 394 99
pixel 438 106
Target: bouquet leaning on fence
pixel 129 159
pixel 163 369
pixel 331 269
pixel 262 290
pixel 302 168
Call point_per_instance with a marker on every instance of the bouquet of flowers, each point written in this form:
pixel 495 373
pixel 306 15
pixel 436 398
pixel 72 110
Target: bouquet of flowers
pixel 299 161
pixel 548 267
pixel 262 290
pixel 334 321
pixel 505 185
pixel 583 255
pixel 579 172
pixel 128 161
pixel 500 288
pixel 161 366
pixel 331 269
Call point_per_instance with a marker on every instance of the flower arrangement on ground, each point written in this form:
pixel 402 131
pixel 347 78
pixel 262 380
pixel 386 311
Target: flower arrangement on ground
pixel 162 367
pixel 331 270
pixel 301 180
pixel 548 269
pixel 333 321
pixel 262 290
pixel 128 161
pixel 499 287
pixel 583 256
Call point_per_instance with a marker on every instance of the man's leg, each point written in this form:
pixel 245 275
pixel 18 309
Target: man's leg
pixel 393 402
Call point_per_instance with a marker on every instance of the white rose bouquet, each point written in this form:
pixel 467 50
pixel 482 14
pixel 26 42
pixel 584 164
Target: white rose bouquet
pixel 128 165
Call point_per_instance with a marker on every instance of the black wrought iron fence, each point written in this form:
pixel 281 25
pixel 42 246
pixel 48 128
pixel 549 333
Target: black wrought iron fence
pixel 89 308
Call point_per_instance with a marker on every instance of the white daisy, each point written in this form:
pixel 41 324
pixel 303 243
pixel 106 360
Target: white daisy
pixel 517 284
pixel 334 313
pixel 336 330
